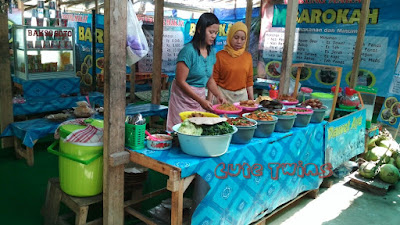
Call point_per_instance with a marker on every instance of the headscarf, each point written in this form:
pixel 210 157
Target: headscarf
pixel 235 27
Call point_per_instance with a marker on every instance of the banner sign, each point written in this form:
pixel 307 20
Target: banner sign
pixel 84 59
pixel 390 111
pixel 345 138
pixel 326 34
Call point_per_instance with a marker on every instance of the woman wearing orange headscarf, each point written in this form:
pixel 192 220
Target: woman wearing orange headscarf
pixel 233 71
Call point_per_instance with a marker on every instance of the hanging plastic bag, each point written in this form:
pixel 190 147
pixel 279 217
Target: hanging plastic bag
pixel 136 43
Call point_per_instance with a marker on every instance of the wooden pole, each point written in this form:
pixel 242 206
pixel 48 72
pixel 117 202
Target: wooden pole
pixel 157 51
pixel 359 43
pixel 96 6
pixel 115 17
pixel 21 7
pixel 6 105
pixel 132 79
pixel 249 12
pixel 287 54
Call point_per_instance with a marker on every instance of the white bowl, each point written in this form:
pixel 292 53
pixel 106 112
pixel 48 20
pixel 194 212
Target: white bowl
pixel 204 146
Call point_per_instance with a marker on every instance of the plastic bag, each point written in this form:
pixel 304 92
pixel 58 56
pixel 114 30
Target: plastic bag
pixel 136 43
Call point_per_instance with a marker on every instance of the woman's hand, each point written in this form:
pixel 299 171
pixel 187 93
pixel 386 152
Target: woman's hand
pixel 207 105
pixel 222 100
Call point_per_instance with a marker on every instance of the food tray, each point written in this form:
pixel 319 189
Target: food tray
pixel 248 109
pixel 218 111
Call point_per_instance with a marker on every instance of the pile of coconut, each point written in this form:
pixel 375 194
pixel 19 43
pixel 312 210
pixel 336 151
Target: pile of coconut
pixel 382 159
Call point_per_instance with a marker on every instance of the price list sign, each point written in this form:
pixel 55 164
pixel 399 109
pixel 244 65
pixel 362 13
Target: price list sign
pixel 328 49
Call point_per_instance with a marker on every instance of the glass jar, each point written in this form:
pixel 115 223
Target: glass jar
pixel 339 97
pixel 304 94
pixel 350 100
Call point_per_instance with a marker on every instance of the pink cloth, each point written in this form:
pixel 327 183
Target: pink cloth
pixel 179 102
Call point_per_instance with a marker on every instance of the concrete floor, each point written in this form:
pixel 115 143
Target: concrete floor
pixel 342 204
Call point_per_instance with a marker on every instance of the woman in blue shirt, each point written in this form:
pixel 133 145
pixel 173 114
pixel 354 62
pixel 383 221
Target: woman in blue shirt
pixel 193 72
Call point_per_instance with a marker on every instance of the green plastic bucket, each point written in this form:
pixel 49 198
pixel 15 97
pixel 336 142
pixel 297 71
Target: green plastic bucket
pixel 80 164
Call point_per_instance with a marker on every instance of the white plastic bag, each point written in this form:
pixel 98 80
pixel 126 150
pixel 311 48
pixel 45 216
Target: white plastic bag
pixel 136 43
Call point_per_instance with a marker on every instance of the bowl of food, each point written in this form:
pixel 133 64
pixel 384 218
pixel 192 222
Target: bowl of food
pixel 227 108
pixel 248 105
pixel 189 114
pixel 164 142
pixel 319 109
pixel 246 128
pixel 205 136
pixel 265 123
pixel 285 120
pixel 303 116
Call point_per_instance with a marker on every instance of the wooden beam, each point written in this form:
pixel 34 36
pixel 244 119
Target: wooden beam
pixel 6 105
pixel 114 109
pixel 287 54
pixel 249 12
pixel 21 7
pixel 359 43
pixel 157 52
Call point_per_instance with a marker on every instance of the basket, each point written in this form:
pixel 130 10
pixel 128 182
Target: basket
pixel 134 136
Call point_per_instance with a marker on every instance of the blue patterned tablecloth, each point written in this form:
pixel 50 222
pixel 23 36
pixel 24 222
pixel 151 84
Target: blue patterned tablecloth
pixel 237 199
pixel 51 104
pixel 29 131
pixel 48 87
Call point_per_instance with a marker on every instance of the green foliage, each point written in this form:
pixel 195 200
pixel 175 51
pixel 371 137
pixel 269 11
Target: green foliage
pixel 217 129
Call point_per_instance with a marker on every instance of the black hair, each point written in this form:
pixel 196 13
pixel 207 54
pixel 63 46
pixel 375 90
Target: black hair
pixel 205 20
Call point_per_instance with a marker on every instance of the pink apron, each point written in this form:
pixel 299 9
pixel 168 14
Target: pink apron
pixel 179 101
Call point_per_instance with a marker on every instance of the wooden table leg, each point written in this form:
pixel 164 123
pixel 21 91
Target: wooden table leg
pixel 177 205
pixel 24 153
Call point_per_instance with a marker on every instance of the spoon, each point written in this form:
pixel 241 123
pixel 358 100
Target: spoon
pixel 151 137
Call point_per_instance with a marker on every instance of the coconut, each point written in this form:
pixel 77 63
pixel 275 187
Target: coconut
pixel 380 152
pixel 392 145
pixel 397 161
pixel 389 173
pixel 368 170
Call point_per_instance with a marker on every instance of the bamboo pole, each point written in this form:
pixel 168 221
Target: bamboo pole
pixel 6 105
pixel 157 52
pixel 287 54
pixel 249 12
pixel 115 18
pixel 359 43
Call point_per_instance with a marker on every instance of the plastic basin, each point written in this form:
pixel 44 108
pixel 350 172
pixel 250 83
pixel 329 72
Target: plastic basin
pixel 326 99
pixel 264 128
pixel 244 133
pixel 219 111
pixel 302 118
pixel 285 123
pixel 187 114
pixel 318 115
pixel 204 146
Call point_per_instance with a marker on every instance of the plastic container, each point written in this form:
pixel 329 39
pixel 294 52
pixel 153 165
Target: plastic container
pixel 326 99
pixel 219 111
pixel 264 128
pixel 302 118
pixel 304 94
pixel 80 164
pixel 204 146
pixel 285 123
pixel 135 136
pixel 368 96
pixel 318 115
pixel 350 100
pixel 165 144
pixel 244 133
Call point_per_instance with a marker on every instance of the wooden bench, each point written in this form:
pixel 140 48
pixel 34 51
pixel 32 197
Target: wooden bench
pixel 79 205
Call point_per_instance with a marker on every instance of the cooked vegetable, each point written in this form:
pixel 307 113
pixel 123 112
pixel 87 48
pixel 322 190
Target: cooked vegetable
pixel 190 129
pixel 217 129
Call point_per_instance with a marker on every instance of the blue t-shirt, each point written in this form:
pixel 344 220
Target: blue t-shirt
pixel 200 68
